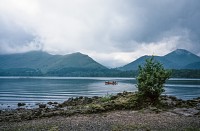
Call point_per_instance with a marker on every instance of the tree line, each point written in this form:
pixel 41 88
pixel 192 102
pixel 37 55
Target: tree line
pixel 85 72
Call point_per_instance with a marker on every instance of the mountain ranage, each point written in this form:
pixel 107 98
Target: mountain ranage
pixel 38 63
pixel 178 59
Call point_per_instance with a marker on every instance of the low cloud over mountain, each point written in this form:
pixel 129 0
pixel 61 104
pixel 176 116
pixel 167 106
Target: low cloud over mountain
pixel 113 32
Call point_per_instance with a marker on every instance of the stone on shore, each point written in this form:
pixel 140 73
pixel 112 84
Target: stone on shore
pixel 121 101
pixel 21 104
pixel 186 111
pixel 42 105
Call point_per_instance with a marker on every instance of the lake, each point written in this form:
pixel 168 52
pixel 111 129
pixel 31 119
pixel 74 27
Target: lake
pixel 32 90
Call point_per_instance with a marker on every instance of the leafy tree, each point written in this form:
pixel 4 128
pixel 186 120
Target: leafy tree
pixel 150 79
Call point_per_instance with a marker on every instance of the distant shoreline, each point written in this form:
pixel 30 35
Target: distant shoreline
pixel 29 72
pixel 86 77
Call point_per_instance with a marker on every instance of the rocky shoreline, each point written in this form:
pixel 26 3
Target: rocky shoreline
pixel 125 101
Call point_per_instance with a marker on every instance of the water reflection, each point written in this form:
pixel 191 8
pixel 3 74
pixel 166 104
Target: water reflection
pixel 43 89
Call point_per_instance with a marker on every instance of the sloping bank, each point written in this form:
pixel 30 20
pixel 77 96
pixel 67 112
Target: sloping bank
pixel 121 111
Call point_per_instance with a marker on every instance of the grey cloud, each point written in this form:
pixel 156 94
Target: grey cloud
pixel 13 37
pixel 155 18
pixel 104 26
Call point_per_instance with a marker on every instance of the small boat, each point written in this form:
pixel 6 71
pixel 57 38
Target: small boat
pixel 111 83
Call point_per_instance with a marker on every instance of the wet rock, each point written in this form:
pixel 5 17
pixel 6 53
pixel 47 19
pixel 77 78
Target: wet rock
pixel 190 103
pixel 36 112
pixel 180 103
pixel 168 102
pixel 194 101
pixel 76 101
pixel 197 99
pixel 70 100
pixel 50 103
pixel 186 111
pixel 87 100
pixel 59 106
pixel 125 92
pixel 55 103
pixel 172 102
pixel 113 97
pixel 95 97
pixel 122 94
pixel 21 104
pixel 119 94
pixel 173 98
pixel 81 97
pixel 198 106
pixel 42 105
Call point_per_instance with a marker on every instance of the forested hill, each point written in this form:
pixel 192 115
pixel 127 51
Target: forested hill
pixel 38 62
pixel 178 59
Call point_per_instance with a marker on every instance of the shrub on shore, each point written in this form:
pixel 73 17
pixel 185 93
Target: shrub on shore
pixel 151 79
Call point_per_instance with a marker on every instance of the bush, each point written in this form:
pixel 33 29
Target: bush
pixel 105 98
pixel 150 79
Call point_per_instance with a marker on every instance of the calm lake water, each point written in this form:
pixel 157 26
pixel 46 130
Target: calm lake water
pixel 32 90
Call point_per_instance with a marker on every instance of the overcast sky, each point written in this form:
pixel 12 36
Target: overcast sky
pixel 112 32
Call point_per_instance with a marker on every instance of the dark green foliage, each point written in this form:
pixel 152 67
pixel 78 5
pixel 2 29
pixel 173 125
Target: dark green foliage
pixel 68 72
pixel 89 72
pixel 20 72
pixel 186 73
pixel 151 78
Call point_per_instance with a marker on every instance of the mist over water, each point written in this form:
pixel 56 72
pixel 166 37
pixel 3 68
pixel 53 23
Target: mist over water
pixel 32 90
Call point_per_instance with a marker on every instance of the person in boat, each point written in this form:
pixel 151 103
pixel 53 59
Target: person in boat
pixel 111 83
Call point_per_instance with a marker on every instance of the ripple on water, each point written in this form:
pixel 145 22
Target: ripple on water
pixel 33 90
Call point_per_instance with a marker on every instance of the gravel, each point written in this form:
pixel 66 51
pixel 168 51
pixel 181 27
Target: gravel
pixel 115 120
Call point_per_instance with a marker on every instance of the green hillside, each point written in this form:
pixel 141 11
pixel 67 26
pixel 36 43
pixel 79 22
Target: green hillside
pixel 178 59
pixel 195 65
pixel 38 63
pixel 140 61
pixel 45 62
pixel 182 57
